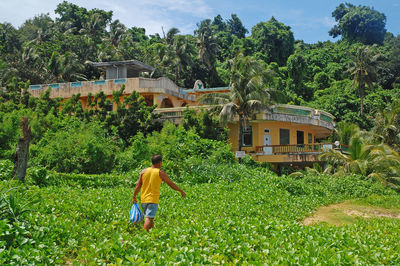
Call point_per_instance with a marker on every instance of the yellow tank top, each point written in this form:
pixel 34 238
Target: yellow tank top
pixel 151 183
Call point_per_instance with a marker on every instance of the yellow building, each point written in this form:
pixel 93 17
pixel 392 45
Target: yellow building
pixel 283 135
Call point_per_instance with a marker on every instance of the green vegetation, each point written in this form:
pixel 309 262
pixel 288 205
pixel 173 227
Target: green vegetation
pixel 359 23
pixel 249 92
pixel 83 165
pixel 44 50
pixel 257 218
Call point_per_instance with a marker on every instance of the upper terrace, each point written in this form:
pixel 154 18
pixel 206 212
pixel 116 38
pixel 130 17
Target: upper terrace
pixel 161 91
pixel 161 85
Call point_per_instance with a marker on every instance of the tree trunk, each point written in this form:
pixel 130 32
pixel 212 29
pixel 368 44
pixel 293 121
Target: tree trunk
pixel 361 92
pixel 240 135
pixel 22 152
pixel 362 106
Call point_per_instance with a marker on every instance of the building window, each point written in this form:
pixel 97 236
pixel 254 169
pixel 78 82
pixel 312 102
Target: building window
pixel 284 136
pixel 309 138
pixel 300 137
pixel 247 137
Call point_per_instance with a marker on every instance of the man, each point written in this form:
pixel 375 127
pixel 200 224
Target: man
pixel 149 184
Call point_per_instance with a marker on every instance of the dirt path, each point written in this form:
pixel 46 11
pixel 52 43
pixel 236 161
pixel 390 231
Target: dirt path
pixel 347 213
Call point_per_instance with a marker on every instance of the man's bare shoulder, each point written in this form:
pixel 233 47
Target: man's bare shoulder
pixel 163 174
pixel 143 171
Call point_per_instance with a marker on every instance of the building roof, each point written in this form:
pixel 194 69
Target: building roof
pixel 133 64
pixel 209 89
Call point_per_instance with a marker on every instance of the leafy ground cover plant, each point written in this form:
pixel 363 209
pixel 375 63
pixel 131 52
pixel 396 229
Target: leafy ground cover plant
pixel 15 235
pixel 255 219
pixel 6 168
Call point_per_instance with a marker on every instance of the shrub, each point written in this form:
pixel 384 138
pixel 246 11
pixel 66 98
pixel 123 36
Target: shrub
pixel 9 131
pixel 178 147
pixel 81 148
pixel 37 175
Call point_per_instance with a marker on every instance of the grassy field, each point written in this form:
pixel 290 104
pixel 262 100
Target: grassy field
pixel 254 220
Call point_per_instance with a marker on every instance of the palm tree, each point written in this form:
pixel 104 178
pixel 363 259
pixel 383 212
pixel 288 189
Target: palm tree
pixel 170 36
pixel 184 51
pixel 387 126
pixel 65 67
pixel 315 170
pixel 372 161
pixel 208 46
pixel 72 68
pixel 248 94
pixel 163 57
pixel 94 29
pixel 363 69
pixel 117 32
pixel 344 131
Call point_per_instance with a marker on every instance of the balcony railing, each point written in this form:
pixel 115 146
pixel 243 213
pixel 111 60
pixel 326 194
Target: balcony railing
pixel 161 85
pixel 299 148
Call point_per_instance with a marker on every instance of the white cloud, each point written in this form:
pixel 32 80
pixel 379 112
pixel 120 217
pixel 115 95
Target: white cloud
pixel 197 8
pixel 18 11
pixel 151 15
pixel 328 21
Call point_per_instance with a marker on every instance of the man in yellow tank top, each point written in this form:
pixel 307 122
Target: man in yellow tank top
pixel 149 184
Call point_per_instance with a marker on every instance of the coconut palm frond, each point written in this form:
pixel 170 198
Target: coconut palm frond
pixel 334 157
pixel 377 177
pixel 228 112
pixel 296 174
pixel 214 98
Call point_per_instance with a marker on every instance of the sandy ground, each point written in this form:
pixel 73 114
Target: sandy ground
pixel 347 213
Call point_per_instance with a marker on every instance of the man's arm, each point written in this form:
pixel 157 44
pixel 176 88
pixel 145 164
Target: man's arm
pixel 169 182
pixel 137 187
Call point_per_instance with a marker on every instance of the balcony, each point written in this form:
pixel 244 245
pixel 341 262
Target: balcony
pixel 299 148
pixel 280 112
pixel 297 154
pixel 161 85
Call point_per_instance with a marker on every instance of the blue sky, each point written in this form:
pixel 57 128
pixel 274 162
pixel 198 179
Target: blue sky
pixel 310 20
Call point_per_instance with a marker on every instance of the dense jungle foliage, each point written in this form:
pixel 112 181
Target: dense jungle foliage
pixel 355 79
pixel 322 75
pixel 83 164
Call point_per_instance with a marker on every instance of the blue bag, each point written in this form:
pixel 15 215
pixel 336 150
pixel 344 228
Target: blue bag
pixel 135 215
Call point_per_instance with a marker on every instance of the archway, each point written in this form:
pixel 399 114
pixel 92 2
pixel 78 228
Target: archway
pixel 166 103
pixel 149 100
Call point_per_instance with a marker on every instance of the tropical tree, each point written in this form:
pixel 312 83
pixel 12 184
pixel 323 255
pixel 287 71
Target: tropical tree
pixel 387 126
pixel 273 41
pixel 249 92
pixel 378 162
pixel 65 67
pixel 363 70
pixel 344 131
pixel 170 36
pixel 8 39
pixel 184 51
pixel 359 23
pixel 208 46
pixel 236 27
pixel 315 170
pixel 163 58
pixel 117 32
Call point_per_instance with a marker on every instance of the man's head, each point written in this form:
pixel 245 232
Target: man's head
pixel 156 160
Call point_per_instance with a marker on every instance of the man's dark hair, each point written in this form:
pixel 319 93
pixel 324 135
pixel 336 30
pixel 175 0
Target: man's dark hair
pixel 156 159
